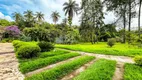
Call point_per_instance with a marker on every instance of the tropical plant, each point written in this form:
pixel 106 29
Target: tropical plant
pixel 17 16
pixel 55 16
pixel 39 17
pixel 70 8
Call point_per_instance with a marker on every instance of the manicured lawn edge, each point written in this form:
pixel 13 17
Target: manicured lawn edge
pixel 132 72
pixel 53 53
pixel 100 70
pixel 61 70
pixel 42 62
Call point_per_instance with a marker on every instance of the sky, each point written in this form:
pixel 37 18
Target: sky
pixel 7 7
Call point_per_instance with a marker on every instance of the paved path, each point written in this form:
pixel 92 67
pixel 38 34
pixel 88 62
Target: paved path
pixel 8 63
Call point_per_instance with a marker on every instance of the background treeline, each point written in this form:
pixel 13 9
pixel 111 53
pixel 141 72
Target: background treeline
pixel 33 26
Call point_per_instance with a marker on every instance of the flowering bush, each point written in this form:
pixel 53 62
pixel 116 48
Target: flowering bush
pixel 12 31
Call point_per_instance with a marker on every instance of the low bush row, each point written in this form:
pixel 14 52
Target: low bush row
pixel 31 49
pixel 61 70
pixel 100 70
pixel 138 60
pixel 42 62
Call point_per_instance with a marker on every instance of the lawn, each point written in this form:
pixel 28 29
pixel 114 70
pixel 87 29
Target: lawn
pixel 100 70
pixel 132 72
pixel 102 48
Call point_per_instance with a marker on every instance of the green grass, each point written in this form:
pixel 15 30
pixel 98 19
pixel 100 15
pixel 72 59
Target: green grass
pixel 132 72
pixel 53 53
pixel 100 70
pixel 61 70
pixel 102 48
pixel 42 62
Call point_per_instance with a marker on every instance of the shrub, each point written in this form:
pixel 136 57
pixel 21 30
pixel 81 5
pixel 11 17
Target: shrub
pixel 138 60
pixel 45 46
pixel 28 51
pixel 40 34
pixel 25 38
pixel 12 31
pixel 111 42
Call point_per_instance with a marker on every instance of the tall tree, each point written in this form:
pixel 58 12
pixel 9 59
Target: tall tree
pixel 17 16
pixel 92 19
pixel 139 18
pixel 39 16
pixel 55 16
pixel 70 8
pixel 29 17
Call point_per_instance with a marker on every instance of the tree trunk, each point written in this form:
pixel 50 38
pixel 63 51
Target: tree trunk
pixel 124 23
pixel 129 29
pixel 139 19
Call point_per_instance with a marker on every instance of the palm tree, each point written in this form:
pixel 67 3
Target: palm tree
pixel 39 16
pixel 70 8
pixel 28 15
pixel 17 16
pixel 55 16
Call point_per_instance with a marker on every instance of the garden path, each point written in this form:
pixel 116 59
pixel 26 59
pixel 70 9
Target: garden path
pixel 119 70
pixel 9 63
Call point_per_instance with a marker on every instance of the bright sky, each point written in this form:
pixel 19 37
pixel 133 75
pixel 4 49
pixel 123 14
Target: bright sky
pixel 7 7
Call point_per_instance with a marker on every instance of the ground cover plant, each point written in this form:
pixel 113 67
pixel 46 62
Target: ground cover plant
pixel 61 70
pixel 42 62
pixel 100 70
pixel 132 72
pixel 102 48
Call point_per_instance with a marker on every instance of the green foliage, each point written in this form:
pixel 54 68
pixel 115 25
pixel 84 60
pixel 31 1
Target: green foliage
pixel 138 60
pixel 61 70
pixel 111 42
pixel 53 53
pixel 28 51
pixel 25 38
pixel 102 48
pixel 100 70
pixel 132 72
pixel 39 34
pixel 4 22
pixel 42 62
pixel 9 40
pixel 45 46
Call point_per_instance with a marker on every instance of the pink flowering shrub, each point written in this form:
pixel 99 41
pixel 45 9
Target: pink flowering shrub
pixel 12 31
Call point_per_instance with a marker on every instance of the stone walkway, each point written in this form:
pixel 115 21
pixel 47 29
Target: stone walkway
pixel 9 63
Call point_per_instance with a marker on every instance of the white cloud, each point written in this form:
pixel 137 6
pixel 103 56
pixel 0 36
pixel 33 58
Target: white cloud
pixel 2 16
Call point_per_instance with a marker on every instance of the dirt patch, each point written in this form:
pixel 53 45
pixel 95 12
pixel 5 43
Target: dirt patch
pixel 119 71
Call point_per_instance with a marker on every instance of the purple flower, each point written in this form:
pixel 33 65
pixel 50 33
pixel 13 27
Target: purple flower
pixel 12 30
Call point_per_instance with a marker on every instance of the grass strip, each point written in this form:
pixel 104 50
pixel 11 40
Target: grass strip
pixel 61 70
pixel 100 70
pixel 42 62
pixel 132 72
pixel 53 53
pixel 102 48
